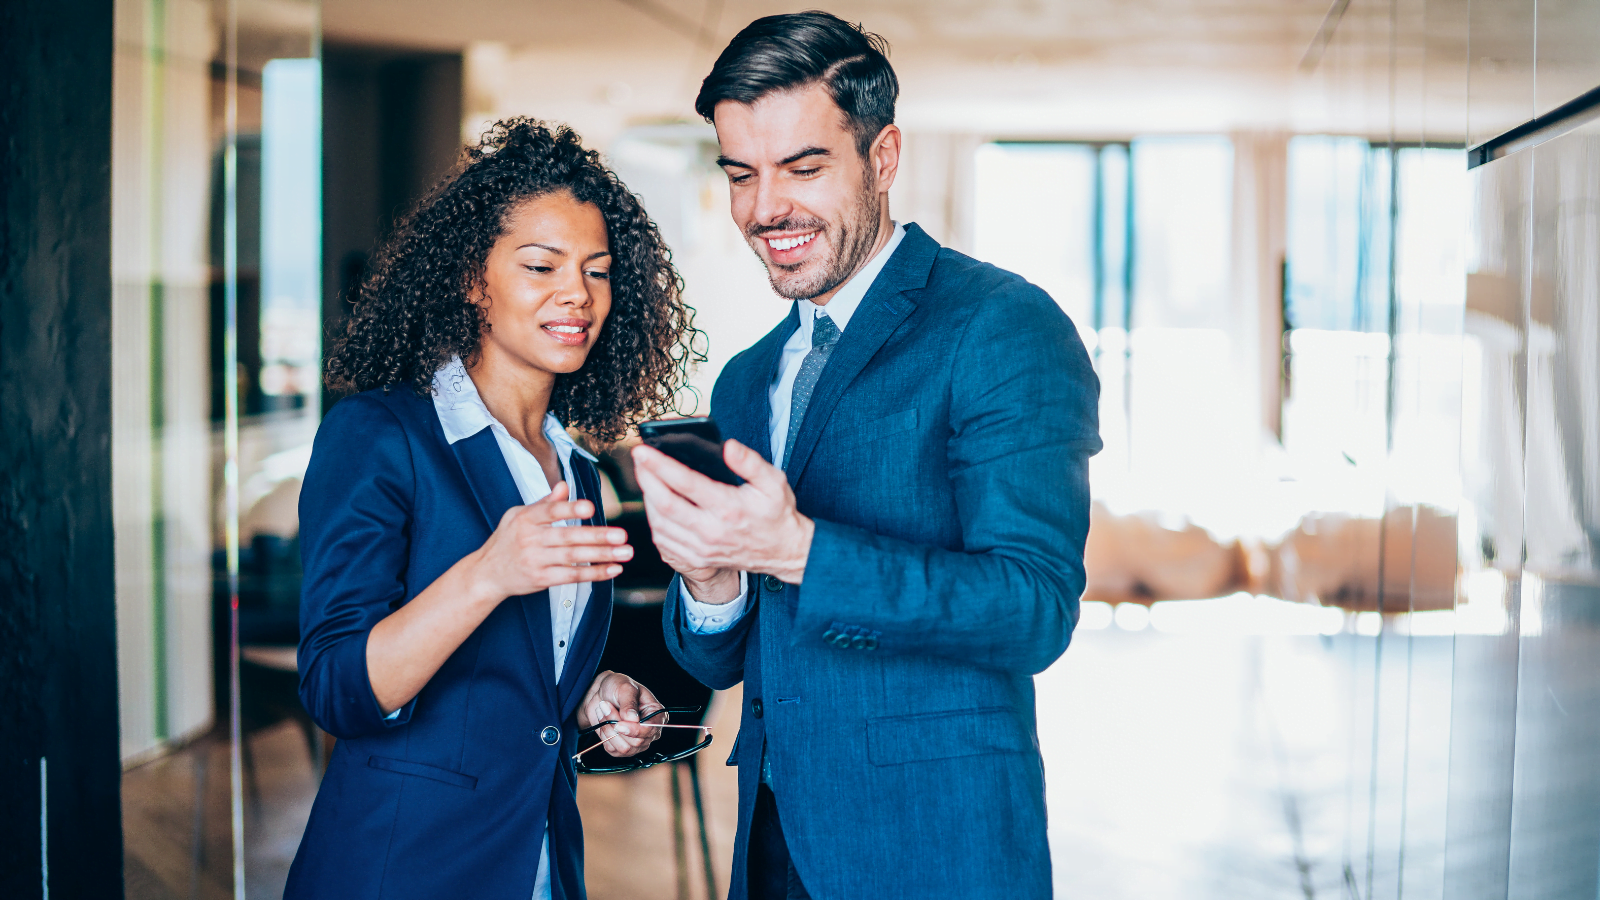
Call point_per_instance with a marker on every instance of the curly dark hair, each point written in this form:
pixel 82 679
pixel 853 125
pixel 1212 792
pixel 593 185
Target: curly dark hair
pixel 413 311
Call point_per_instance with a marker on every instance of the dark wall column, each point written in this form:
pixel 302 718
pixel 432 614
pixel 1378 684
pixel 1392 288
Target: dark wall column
pixel 58 658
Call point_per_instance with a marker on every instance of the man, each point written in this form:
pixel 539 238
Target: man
pixel 907 551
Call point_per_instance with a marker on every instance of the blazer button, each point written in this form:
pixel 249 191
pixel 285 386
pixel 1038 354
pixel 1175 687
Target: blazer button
pixel 771 583
pixel 550 735
pixel 858 643
pixel 829 635
pixel 842 641
pixel 755 707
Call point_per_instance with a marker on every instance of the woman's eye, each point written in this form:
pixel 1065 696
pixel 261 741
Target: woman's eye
pixel 540 269
pixel 603 276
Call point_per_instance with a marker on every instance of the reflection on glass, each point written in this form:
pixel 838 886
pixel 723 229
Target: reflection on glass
pixel 217 110
pixel 1555 821
pixel 291 232
pixel 162 441
pixel 276 327
pixel 1483 716
pixel 1337 416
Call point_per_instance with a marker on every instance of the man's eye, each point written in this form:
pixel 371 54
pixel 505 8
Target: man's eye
pixel 738 179
pixel 806 173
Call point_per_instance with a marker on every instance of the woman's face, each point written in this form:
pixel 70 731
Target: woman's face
pixel 547 284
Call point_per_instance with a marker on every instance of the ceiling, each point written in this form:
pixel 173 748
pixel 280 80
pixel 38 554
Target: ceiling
pixel 1255 33
pixel 1018 68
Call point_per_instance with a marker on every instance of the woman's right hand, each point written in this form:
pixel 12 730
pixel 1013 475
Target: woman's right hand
pixel 528 553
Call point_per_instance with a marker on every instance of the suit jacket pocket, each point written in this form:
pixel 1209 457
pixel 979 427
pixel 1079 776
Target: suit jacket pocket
pixel 895 423
pixel 423 770
pixel 892 740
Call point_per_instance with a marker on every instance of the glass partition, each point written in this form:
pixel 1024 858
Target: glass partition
pixel 217 224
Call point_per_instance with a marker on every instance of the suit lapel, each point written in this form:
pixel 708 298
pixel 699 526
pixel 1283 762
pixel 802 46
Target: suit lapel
pixel 881 311
pixel 487 474
pixel 747 416
pixel 486 471
pixel 590 636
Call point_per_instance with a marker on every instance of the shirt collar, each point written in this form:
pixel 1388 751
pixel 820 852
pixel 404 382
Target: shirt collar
pixel 844 303
pixel 462 412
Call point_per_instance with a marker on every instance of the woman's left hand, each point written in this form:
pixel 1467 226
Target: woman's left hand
pixel 614 696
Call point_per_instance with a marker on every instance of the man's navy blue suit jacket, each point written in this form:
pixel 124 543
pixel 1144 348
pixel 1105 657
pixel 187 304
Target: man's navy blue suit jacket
pixel 451 797
pixel 944 458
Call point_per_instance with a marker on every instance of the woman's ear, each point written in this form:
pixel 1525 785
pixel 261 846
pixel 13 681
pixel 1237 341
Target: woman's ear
pixel 478 295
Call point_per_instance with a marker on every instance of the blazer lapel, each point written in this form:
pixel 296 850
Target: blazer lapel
pixel 487 474
pixel 486 471
pixel 882 310
pixel 747 415
pixel 589 639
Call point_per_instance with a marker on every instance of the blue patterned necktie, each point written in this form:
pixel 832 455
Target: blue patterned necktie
pixel 824 334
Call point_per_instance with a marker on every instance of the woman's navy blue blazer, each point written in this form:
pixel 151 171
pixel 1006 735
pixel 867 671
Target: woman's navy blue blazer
pixel 450 797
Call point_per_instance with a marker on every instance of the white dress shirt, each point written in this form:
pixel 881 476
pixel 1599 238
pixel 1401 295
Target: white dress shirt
pixel 709 618
pixel 462 414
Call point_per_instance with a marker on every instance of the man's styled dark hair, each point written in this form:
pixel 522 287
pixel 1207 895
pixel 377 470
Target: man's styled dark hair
pixel 781 53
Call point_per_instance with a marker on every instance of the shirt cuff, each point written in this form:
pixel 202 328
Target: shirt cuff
pixel 714 618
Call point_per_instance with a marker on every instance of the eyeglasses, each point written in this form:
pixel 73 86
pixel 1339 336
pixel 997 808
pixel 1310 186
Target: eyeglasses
pixel 675 750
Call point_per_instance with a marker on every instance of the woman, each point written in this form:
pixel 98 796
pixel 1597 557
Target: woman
pixel 457 570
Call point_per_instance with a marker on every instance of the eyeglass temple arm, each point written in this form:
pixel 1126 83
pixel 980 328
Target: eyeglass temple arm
pixel 614 734
pixel 655 712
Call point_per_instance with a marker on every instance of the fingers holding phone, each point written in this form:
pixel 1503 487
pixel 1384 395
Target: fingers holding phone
pixel 710 531
pixel 696 443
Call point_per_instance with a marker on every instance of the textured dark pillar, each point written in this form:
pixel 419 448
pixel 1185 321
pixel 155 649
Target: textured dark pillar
pixel 58 659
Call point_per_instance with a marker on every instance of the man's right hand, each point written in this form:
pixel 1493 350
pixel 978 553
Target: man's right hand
pixel 710 532
pixel 707 584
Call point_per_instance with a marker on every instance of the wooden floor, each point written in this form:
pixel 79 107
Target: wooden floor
pixel 632 852
pixel 1179 767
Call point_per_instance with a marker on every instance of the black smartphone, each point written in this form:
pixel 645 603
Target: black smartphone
pixel 697 443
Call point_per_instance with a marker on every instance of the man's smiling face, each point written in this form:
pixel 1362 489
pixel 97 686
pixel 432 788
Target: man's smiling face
pixel 806 201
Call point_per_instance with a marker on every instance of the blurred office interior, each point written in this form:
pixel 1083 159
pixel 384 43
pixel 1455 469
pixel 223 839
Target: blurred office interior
pixel 1338 267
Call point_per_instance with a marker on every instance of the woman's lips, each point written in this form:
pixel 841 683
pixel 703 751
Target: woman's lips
pixel 573 333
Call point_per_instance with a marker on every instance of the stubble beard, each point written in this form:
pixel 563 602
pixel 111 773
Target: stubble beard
pixel 856 234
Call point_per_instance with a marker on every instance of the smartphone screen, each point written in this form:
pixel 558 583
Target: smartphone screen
pixel 697 443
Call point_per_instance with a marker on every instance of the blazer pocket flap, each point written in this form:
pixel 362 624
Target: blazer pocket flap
pixel 904 420
pixel 423 770
pixel 892 740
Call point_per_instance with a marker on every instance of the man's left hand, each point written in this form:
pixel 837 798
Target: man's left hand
pixel 701 524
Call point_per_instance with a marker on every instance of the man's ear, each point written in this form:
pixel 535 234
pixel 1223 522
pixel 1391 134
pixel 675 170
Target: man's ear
pixel 884 157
